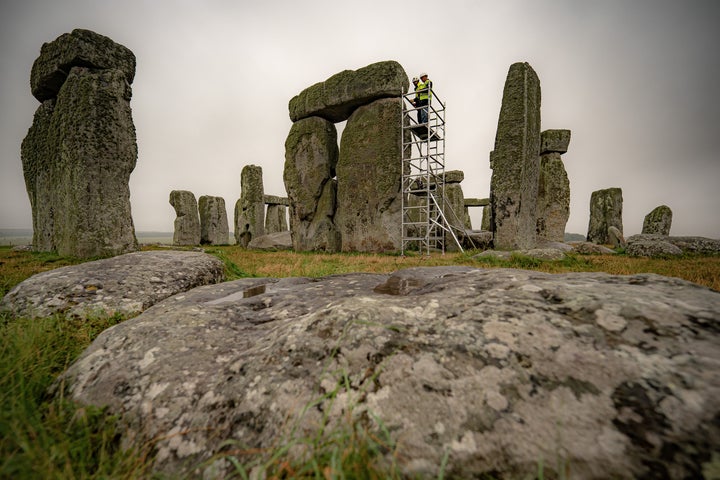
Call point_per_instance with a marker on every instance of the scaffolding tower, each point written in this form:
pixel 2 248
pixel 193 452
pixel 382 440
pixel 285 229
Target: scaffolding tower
pixel 424 224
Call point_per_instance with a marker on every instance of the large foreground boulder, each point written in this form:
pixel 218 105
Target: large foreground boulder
pixel 336 98
pixel 495 371
pixel 126 284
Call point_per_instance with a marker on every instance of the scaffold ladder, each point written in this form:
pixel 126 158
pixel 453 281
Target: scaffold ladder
pixel 424 224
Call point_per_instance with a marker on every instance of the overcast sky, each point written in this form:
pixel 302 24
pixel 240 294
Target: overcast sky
pixel 635 80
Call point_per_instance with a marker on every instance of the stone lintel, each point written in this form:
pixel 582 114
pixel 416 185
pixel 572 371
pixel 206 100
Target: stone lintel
pixel 275 200
pixel 477 202
pixel 554 141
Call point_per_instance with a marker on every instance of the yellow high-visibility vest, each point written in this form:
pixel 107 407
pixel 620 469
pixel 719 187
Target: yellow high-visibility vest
pixel 424 89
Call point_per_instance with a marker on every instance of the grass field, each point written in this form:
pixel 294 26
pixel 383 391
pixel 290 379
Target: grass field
pixel 43 436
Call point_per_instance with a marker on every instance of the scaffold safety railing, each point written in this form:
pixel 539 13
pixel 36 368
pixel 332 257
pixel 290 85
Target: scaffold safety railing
pixel 425 227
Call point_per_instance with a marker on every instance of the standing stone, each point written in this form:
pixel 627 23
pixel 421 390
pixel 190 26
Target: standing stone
pixel 454 208
pixel 187 222
pixel 276 219
pixel 553 204
pixel 79 153
pixel 311 155
pixel 658 221
pixel 39 180
pixel 250 208
pixel 213 221
pixel 485 223
pixel 369 179
pixel 605 212
pixel 515 161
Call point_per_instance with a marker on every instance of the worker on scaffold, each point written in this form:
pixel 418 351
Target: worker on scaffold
pixel 423 95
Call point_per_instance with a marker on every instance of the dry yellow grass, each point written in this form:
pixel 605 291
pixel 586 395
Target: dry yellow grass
pixel 703 270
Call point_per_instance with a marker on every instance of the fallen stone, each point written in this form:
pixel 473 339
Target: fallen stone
pixel 272 241
pixel 699 245
pixel 554 245
pixel 336 98
pixel 545 253
pixel 642 246
pixel 616 238
pixel 589 248
pixel 79 48
pixel 484 371
pixel 126 284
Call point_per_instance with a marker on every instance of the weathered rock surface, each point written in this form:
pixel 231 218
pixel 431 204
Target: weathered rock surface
pixel 599 376
pixel 369 179
pixel 81 149
pixel 658 222
pixel 553 199
pixel 616 238
pixel 41 176
pixel 605 211
pixel 187 221
pixel 272 241
pixel 515 161
pixel 275 200
pixel 486 221
pixel 214 228
pixel 276 219
pixel 311 155
pixel 126 284
pixel 657 245
pixel 589 248
pixel 476 239
pixel 250 208
pixel 80 48
pixel 554 141
pixel 337 97
pixel 544 253
pixel 647 246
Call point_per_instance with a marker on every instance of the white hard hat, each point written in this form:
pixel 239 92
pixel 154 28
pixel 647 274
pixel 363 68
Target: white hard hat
pixel 423 75
pixel 415 79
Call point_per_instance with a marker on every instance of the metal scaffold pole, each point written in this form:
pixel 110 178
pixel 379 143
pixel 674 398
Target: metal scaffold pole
pixel 424 224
